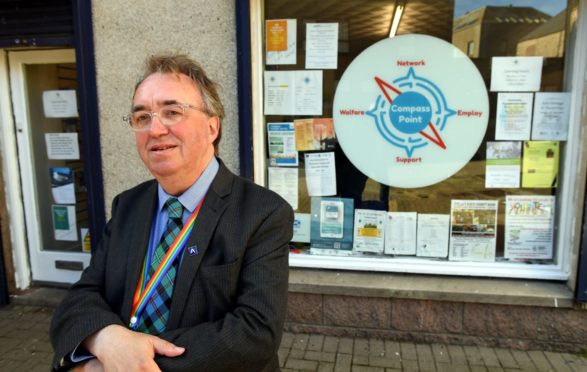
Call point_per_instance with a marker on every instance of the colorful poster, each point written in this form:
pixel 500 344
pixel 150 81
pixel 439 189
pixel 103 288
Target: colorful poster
pixel 369 231
pixel 314 134
pixel 514 116
pixel 64 222
pixel 432 235
pixel 276 33
pixel 284 181
pixel 503 164
pixel 516 74
pixel 281 42
pixel 473 230
pixel 293 92
pixel 400 233
pixel 529 227
pixel 60 104
pixel 62 146
pixel 320 174
pixel 282 144
pixel 401 115
pixel 331 225
pixel 62 186
pixel 540 164
pixel 551 116
pixel 321 45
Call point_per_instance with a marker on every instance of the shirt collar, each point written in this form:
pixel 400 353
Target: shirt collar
pixel 192 196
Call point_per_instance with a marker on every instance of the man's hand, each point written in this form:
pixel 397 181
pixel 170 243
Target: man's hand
pixel 120 349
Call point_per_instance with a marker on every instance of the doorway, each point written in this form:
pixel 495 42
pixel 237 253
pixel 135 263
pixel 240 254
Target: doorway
pixel 48 154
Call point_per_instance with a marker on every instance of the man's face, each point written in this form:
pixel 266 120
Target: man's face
pixel 182 151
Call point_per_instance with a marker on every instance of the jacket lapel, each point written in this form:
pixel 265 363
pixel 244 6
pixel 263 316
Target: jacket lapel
pixel 199 241
pixel 145 205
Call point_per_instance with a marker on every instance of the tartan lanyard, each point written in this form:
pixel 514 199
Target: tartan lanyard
pixel 145 291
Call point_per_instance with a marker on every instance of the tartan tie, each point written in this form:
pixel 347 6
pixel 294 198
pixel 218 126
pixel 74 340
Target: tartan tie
pixel 156 312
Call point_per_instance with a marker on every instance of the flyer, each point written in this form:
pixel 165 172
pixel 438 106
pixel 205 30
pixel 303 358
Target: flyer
pixel 60 103
pixel 281 41
pixel 551 116
pixel 320 173
pixel 282 144
pixel 62 146
pixel 473 230
pixel 503 164
pixel 540 164
pixel 369 231
pixel 62 186
pixel 432 235
pixel 64 222
pixel 301 228
pixel 400 233
pixel 514 116
pixel 516 74
pixel 314 134
pixel 293 92
pixel 331 225
pixel 284 181
pixel 321 45
pixel 529 227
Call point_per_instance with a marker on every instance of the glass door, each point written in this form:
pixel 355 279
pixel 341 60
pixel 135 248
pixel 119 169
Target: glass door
pixel 48 134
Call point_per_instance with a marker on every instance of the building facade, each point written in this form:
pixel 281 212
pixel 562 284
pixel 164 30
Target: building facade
pixel 482 290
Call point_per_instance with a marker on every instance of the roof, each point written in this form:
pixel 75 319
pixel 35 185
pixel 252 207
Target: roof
pixel 554 25
pixel 501 14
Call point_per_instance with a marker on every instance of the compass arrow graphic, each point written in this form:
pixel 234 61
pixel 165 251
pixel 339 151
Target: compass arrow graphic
pixel 386 89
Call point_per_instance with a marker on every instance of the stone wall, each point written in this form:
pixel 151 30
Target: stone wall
pixel 516 327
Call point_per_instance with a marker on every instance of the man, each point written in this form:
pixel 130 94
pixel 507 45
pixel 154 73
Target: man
pixel 219 305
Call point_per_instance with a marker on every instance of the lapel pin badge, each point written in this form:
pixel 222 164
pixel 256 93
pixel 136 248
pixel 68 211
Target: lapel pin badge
pixel 193 250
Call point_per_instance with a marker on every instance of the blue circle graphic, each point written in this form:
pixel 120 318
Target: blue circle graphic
pixel 410 112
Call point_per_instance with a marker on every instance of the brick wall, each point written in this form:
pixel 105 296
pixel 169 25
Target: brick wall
pixel 516 327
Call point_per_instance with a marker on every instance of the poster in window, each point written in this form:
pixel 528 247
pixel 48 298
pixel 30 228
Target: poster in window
pixel 503 164
pixel 551 116
pixel 282 144
pixel 331 225
pixel 432 235
pixel 514 116
pixel 369 231
pixel 529 227
pixel 540 164
pixel 400 233
pixel 473 230
pixel 281 42
pixel 516 74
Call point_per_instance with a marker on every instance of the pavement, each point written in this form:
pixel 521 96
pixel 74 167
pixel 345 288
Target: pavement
pixel 25 346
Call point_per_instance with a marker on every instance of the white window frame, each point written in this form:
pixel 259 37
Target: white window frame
pixel 571 185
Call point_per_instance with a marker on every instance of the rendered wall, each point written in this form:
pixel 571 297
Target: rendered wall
pixel 124 34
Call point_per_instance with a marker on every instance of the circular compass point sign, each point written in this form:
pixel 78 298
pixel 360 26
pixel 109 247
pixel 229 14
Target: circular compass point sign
pixel 411 111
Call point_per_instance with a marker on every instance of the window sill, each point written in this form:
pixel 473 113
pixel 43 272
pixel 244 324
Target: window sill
pixel 432 287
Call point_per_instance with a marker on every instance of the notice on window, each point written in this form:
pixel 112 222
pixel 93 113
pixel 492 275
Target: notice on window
pixel 282 144
pixel 331 226
pixel 529 227
pixel 320 174
pixel 503 165
pixel 284 181
pixel 540 164
pixel 432 235
pixel 321 45
pixel 62 146
pixel 400 233
pixel 60 104
pixel 551 116
pixel 64 222
pixel 514 116
pixel 281 43
pixel 293 92
pixel 301 228
pixel 369 230
pixel 473 230
pixel 314 134
pixel 62 186
pixel 516 74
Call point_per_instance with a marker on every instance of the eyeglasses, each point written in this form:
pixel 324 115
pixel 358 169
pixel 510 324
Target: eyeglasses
pixel 168 115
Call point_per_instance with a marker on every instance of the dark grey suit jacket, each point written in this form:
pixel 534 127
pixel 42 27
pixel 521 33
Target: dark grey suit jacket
pixel 230 298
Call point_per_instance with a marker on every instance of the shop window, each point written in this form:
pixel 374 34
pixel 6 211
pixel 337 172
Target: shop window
pixel 496 215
